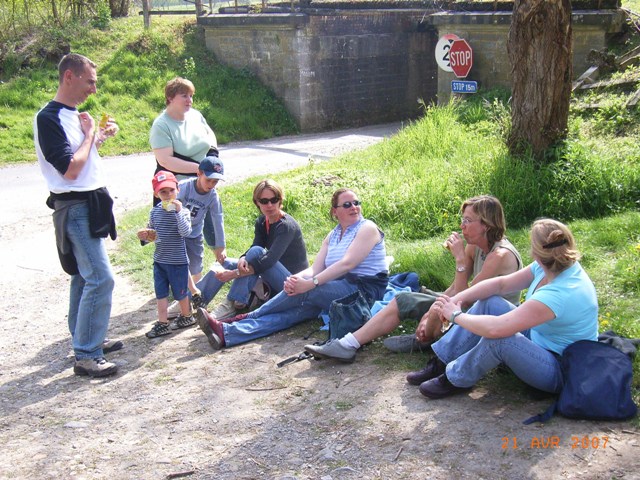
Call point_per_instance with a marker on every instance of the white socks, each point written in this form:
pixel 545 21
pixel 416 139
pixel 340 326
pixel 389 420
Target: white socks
pixel 349 341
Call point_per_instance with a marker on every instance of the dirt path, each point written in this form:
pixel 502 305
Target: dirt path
pixel 178 410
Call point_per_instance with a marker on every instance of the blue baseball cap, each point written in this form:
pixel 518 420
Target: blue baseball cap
pixel 212 167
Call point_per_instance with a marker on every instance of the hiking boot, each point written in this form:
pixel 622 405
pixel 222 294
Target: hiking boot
pixel 237 318
pixel 405 344
pixel 94 367
pixel 211 327
pixel 440 387
pixel 174 310
pixel 182 322
pixel 225 309
pixel 158 330
pixel 434 368
pixel 109 346
pixel 332 349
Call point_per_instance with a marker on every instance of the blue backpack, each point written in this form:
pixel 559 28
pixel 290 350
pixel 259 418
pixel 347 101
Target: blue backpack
pixel 597 384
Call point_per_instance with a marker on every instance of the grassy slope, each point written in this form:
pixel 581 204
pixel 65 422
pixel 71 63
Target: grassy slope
pixel 133 67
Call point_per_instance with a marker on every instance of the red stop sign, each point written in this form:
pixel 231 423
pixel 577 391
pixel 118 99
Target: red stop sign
pixel 460 58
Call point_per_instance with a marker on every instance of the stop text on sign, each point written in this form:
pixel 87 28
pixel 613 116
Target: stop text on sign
pixel 460 57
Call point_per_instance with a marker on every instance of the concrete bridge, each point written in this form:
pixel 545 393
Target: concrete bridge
pixel 336 68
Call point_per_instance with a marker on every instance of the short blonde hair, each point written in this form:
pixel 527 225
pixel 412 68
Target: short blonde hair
pixel 178 86
pixel 553 244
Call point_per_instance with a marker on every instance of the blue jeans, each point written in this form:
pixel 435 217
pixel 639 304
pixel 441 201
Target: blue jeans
pixel 469 356
pixel 91 289
pixel 209 285
pixel 241 287
pixel 284 311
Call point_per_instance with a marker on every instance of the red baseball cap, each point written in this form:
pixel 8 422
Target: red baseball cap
pixel 163 179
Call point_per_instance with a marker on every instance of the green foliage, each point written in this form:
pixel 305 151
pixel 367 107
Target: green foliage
pixel 102 18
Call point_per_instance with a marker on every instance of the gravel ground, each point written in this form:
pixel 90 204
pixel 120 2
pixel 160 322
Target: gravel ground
pixel 176 409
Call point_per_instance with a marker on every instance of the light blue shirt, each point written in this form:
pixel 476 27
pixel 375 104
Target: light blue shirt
pixel 572 298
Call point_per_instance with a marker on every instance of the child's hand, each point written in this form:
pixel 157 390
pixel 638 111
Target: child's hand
pixel 147 235
pixel 177 203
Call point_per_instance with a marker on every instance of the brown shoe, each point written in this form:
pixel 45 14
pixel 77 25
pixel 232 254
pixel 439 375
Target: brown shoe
pixel 211 327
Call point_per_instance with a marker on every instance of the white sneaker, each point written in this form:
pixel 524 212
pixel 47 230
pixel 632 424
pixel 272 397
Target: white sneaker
pixel 174 310
pixel 224 309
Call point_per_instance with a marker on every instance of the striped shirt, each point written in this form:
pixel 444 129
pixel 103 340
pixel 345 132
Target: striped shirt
pixel 373 264
pixel 171 228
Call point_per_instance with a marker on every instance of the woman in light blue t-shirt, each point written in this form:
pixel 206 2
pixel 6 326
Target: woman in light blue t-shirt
pixel 560 308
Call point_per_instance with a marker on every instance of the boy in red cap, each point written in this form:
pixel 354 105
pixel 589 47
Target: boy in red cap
pixel 169 224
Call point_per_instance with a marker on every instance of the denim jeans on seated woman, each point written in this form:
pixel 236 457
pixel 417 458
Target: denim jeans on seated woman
pixel 284 311
pixel 469 356
pixel 241 287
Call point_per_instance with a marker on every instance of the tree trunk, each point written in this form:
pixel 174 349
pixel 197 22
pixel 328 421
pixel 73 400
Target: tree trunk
pixel 119 8
pixel 540 50
pixel 146 8
pixel 199 9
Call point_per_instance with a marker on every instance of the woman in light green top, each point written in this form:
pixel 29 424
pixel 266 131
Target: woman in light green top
pixel 180 136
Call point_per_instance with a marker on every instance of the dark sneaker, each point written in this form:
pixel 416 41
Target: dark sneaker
pixel 109 346
pixel 197 301
pixel 211 327
pixel 440 387
pixel 94 367
pixel 158 330
pixel 332 349
pixel 405 344
pixel 434 368
pixel 182 322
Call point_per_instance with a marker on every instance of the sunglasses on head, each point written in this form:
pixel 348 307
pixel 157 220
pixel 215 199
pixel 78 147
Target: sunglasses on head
pixel 355 203
pixel 272 200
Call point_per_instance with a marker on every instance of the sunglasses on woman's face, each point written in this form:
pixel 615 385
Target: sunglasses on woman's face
pixel 272 200
pixel 355 203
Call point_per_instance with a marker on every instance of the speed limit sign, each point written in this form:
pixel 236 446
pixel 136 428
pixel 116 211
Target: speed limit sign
pixel 442 51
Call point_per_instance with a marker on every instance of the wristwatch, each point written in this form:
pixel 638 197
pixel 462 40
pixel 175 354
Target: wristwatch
pixel 461 269
pixel 454 315
pixel 315 281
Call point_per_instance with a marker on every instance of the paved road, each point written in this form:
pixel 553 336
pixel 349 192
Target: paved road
pixel 26 234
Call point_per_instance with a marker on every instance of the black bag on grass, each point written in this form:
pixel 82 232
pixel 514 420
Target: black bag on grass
pixel 597 384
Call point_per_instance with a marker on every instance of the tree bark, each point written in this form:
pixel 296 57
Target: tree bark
pixel 119 8
pixel 540 51
pixel 146 8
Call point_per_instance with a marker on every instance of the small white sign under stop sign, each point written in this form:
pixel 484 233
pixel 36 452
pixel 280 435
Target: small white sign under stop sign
pixel 442 51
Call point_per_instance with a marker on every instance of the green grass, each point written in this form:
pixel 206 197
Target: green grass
pixel 133 68
pixel 595 189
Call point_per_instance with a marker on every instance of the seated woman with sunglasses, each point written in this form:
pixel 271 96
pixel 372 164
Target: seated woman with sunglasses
pixel 487 254
pixel 352 258
pixel 277 250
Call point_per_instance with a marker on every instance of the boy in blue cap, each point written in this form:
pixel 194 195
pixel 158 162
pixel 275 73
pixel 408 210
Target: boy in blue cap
pixel 199 195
